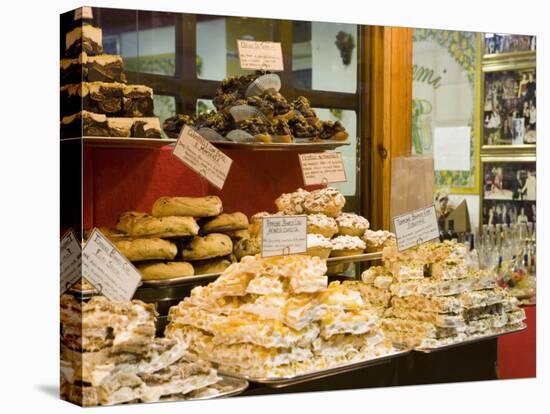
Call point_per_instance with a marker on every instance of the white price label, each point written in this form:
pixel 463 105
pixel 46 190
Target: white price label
pixel 108 270
pixel 83 13
pixel 260 55
pixel 322 168
pixel 284 235
pixel 202 157
pixel 70 258
pixel 416 227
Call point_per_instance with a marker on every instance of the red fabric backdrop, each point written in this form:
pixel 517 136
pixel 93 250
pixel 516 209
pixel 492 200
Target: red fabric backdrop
pixel 517 352
pixel 121 179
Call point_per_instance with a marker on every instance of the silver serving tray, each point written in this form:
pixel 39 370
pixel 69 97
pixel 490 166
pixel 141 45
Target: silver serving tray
pixel 238 386
pixel 117 142
pixel 279 382
pixel 468 341
pixel 209 277
pixel 364 257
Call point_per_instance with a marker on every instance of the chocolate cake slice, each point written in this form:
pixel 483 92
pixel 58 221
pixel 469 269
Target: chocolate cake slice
pixel 86 123
pixel 84 68
pixel 85 38
pixel 99 97
pixel 137 101
pixel 146 128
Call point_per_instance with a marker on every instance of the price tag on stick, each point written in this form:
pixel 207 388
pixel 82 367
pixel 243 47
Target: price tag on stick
pixel 322 168
pixel 417 227
pixel 108 270
pixel 260 55
pixel 202 157
pixel 284 235
pixel 70 258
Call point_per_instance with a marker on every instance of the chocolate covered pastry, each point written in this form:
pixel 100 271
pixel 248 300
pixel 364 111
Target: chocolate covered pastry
pixel 98 97
pixel 84 68
pixel 257 128
pixel 84 38
pixel 221 122
pixel 280 131
pixel 333 130
pixel 280 105
pixel 264 106
pixel 301 128
pixel 302 105
pixel 173 125
pixel 137 101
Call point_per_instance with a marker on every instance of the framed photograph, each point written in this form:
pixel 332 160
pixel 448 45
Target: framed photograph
pixel 508 190
pixel 501 43
pixel 509 107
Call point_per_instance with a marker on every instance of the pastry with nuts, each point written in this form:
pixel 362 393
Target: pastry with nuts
pixel 352 224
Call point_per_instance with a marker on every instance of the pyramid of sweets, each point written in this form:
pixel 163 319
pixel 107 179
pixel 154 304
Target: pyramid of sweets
pixel 278 317
pixel 110 355
pixel 330 231
pixel 250 108
pixel 95 98
pixel 181 237
pixel 436 300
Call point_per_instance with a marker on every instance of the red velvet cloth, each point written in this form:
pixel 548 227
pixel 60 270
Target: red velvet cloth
pixel 123 179
pixel 517 353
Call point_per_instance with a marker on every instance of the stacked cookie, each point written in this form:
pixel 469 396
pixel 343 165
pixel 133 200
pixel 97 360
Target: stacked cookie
pixel 183 236
pixel 276 317
pixel 109 355
pixel 436 300
pixel 95 98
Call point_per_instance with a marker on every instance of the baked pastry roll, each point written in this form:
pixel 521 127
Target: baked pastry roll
pixel 137 250
pixel 225 222
pixel 208 206
pixel 350 224
pixel 246 247
pixel 164 270
pixel 137 224
pixel 328 201
pixel 207 247
pixel 321 224
pixel 237 235
pixel 216 265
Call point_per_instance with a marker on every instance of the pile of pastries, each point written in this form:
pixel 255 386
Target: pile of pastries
pixel 433 299
pixel 250 108
pixel 110 355
pixel 331 232
pixel 95 98
pixel 183 236
pixel 278 317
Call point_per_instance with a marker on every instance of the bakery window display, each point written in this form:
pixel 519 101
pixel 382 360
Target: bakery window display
pixel 250 109
pixel 278 317
pixel 95 98
pixel 110 355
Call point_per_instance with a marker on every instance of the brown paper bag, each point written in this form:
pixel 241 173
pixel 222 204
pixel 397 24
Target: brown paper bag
pixel 412 184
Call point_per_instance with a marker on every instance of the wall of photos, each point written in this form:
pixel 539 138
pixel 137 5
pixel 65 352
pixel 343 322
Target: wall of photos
pixel 474 111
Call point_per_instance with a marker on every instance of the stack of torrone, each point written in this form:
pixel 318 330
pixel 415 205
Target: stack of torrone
pixel 110 355
pixel 277 317
pixel 183 236
pixel 95 98
pixel 331 232
pixel 435 299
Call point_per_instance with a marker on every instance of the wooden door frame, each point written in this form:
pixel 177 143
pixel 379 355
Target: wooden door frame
pixel 389 100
